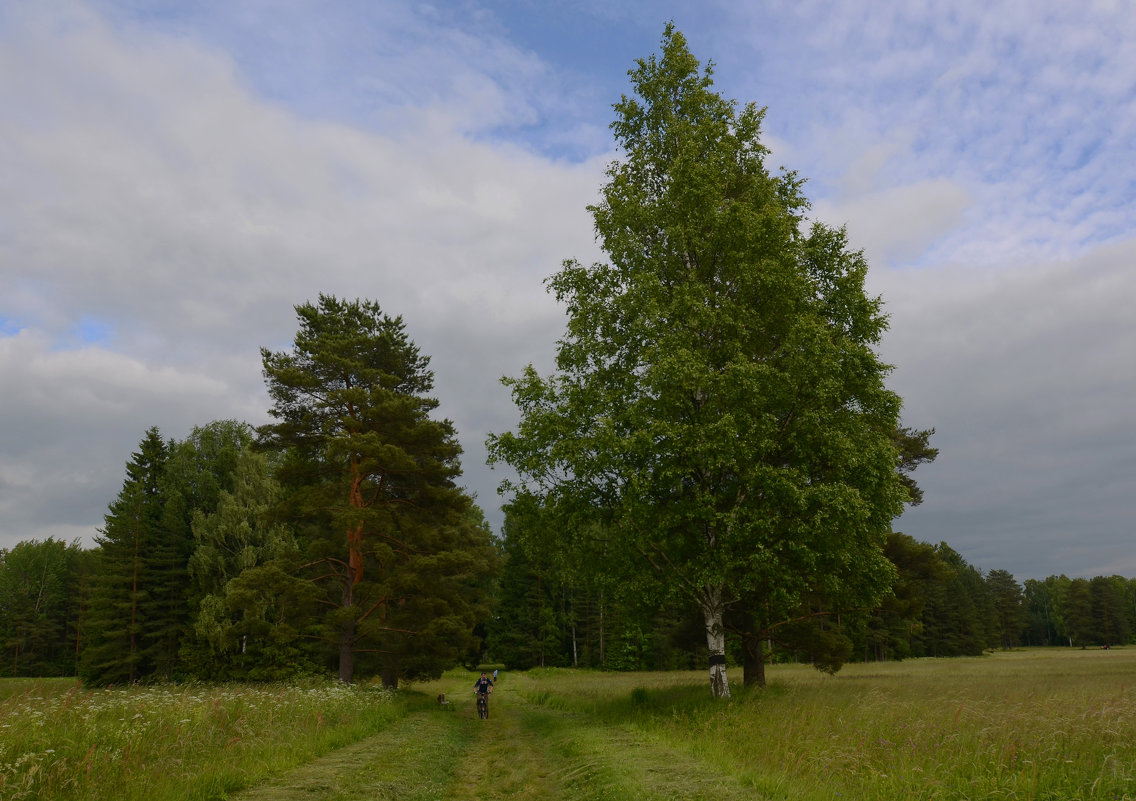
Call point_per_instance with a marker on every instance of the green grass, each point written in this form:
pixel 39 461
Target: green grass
pixel 58 741
pixel 1042 724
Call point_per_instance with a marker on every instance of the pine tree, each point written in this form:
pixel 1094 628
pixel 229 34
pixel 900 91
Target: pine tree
pixel 1009 605
pixel 389 537
pixel 959 618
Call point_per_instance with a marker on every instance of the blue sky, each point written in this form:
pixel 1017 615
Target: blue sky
pixel 179 175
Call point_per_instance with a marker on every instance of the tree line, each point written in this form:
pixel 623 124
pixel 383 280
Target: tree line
pixel 552 614
pixel 262 624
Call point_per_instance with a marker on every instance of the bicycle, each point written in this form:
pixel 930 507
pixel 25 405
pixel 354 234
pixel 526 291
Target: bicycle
pixel 483 705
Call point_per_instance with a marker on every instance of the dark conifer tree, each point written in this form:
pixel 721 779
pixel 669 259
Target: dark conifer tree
pixel 370 478
pixel 524 632
pixel 959 618
pixel 1079 625
pixel 120 642
pixel 1009 607
pixel 1110 610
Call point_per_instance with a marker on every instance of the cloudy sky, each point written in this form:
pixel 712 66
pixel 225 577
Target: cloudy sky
pixel 175 177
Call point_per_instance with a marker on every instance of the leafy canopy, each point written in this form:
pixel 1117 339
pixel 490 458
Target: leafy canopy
pixel 717 399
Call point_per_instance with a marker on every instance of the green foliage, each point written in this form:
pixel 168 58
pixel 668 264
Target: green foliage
pixel 35 613
pixel 392 544
pixel 891 630
pixel 200 474
pixel 1006 597
pixel 121 638
pixel 959 618
pixel 1040 601
pixel 252 607
pixel 718 405
pixel 1111 610
pixel 140 603
pixel 521 634
pixel 914 448
pixel 1078 624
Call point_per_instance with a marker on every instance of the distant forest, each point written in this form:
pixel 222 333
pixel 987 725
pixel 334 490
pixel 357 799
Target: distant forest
pixel 197 575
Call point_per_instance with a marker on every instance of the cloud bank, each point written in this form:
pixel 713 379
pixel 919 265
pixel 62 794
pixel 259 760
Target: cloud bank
pixel 176 179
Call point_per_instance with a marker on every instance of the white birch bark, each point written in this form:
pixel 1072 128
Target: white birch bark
pixel 716 642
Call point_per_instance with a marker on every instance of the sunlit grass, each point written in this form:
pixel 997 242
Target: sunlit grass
pixel 58 741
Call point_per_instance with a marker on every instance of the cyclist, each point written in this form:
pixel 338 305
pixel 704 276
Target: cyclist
pixel 483 687
pixel 484 684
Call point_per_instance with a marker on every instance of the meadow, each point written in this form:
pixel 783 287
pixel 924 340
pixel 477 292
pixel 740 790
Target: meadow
pixel 58 741
pixel 1036 724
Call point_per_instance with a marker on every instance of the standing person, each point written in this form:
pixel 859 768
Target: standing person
pixel 494 675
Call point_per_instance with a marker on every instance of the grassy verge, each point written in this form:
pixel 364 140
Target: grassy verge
pixel 58 741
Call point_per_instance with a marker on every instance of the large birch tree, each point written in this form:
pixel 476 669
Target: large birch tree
pixel 717 400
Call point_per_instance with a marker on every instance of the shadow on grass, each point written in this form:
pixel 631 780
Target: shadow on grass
pixel 650 702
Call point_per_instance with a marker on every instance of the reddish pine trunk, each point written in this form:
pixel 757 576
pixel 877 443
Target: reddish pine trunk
pixel 354 576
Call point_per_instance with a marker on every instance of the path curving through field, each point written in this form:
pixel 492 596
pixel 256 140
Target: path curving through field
pixel 524 751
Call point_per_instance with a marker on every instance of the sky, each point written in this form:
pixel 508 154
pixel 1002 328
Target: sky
pixel 175 177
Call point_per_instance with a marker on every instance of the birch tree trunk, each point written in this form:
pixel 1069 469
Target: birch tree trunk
pixel 716 642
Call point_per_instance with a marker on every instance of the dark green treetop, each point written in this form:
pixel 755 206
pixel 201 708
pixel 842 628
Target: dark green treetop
pixel 369 479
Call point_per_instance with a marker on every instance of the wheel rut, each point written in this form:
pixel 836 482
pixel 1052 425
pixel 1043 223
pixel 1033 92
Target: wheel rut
pixel 523 751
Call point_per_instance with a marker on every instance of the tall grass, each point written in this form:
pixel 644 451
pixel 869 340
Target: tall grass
pixel 1052 724
pixel 58 741
pixel 1046 724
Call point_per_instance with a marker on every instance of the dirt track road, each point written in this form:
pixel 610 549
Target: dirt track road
pixel 524 751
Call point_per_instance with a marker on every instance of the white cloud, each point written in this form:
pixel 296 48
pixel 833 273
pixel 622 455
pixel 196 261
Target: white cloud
pixel 70 419
pixel 168 197
pixel 899 223
pixel 155 195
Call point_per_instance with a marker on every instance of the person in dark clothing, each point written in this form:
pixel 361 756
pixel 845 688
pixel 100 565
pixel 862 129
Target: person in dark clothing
pixel 483 687
pixel 484 684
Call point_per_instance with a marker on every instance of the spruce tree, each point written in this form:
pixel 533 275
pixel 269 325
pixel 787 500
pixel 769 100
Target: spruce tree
pixel 120 641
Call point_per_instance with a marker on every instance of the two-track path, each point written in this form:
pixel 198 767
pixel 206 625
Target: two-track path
pixel 523 751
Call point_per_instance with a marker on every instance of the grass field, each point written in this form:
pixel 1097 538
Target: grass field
pixel 1041 724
